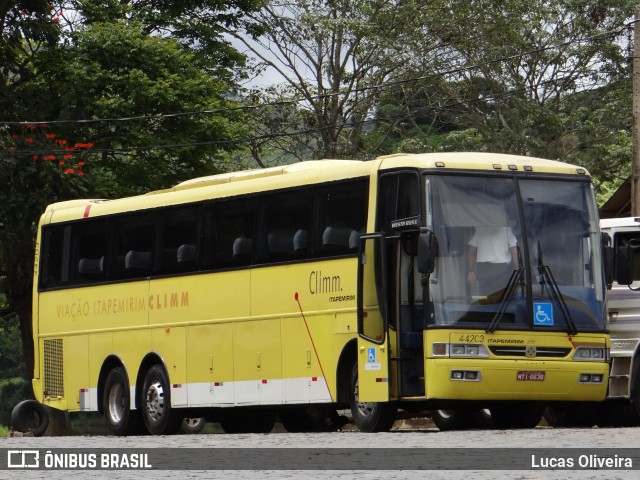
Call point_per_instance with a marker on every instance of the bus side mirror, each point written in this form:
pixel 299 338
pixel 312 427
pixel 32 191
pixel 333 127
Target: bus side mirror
pixel 427 251
pixel 627 262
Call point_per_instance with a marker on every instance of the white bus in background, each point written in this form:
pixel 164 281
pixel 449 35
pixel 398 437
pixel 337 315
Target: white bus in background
pixel 623 303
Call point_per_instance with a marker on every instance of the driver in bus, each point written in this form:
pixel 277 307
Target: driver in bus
pixel 492 254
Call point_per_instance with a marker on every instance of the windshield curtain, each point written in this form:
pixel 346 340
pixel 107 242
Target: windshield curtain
pixel 526 248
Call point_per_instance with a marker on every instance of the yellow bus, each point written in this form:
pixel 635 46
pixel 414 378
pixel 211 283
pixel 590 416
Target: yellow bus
pixel 293 291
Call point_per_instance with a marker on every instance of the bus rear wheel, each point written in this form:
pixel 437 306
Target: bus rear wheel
pixel 517 415
pixel 370 416
pixel 240 420
pixel 296 420
pixel 116 404
pixel 159 417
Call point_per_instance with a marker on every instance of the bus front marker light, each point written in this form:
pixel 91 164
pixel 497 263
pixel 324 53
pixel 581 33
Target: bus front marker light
pixel 596 378
pixel 457 375
pixel 440 349
pixel 473 350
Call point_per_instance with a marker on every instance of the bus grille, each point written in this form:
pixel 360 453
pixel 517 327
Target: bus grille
pixel 545 352
pixel 53 377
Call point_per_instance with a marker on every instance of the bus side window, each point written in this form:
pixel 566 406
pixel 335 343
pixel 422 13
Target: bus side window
pixel 282 216
pixel 228 234
pixel 340 212
pixel 178 241
pixel 88 247
pixel 133 240
pixel 51 256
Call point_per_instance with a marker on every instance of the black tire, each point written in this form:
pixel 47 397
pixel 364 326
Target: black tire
pixel 453 419
pixel 241 420
pixel 571 415
pixel 616 413
pixel 296 420
pixel 30 416
pixel 635 391
pixel 116 405
pixel 517 414
pixel 158 415
pixel 373 416
pixel 192 426
pixel 482 419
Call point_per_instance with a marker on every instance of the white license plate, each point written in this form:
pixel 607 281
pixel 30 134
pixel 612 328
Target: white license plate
pixel 530 376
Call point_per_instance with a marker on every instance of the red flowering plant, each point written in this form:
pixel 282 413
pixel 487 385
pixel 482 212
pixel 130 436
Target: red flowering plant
pixel 36 141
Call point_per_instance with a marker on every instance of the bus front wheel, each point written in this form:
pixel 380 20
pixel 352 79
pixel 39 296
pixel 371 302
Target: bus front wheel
pixel 370 416
pixel 158 415
pixel 453 419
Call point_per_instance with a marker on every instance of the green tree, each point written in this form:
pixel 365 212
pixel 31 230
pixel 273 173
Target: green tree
pixel 101 71
pixel 197 24
pixel 511 74
pixel 333 57
pixel 117 70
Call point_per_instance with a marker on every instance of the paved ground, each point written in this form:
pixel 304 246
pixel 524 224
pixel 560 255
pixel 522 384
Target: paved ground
pixel 410 435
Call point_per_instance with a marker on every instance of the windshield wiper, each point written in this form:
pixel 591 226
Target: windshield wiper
pixel 514 279
pixel 556 295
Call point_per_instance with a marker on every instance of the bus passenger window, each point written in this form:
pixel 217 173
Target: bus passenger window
pixel 88 246
pixel 228 234
pixel 282 216
pixel 341 213
pixel 133 236
pixel 178 240
pixel 51 256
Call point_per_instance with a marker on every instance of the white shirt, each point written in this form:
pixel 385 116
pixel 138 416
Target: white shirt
pixel 493 244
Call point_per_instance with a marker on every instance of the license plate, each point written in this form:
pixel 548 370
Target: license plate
pixel 530 376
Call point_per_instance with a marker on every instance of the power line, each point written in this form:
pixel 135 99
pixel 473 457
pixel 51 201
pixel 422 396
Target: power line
pixel 382 86
pixel 270 136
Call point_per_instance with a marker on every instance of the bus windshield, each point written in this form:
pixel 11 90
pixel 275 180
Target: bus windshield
pixel 515 253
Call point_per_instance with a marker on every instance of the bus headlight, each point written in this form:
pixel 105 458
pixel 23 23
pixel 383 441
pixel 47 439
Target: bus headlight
pixel 468 350
pixel 459 350
pixel 590 354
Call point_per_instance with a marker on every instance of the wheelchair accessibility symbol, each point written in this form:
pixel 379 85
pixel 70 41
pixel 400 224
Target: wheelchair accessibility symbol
pixel 543 314
pixel 371 354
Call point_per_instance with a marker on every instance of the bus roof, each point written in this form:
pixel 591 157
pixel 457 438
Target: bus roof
pixel 627 222
pixel 302 173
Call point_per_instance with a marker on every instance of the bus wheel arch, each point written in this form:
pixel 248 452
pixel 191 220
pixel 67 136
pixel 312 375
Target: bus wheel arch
pixel 110 363
pixel 344 372
pixel 370 416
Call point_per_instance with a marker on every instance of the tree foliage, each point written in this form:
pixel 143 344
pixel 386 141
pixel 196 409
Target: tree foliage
pixel 72 68
pixel 332 57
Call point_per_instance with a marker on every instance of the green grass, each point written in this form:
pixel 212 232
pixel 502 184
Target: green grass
pixel 4 431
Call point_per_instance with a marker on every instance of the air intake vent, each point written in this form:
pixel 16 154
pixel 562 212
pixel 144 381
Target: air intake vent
pixel 53 378
pixel 548 352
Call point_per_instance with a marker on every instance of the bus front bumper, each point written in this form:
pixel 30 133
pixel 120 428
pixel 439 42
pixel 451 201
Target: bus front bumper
pixel 489 379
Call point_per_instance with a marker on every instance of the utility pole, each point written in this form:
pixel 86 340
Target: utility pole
pixel 635 160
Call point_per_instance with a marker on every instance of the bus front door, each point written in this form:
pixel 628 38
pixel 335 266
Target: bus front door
pixel 373 311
